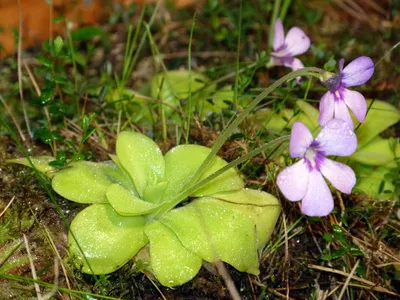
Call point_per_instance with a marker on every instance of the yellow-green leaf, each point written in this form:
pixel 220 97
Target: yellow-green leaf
pixel 87 182
pixel 127 203
pixel 141 157
pixel 216 230
pixel 41 163
pixel 107 239
pixel 380 116
pixel 172 263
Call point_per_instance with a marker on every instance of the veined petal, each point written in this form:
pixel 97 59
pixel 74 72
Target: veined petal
pixel 318 201
pixel 326 108
pixel 296 42
pixel 342 112
pixel 358 71
pixel 340 175
pixel 293 181
pixel 337 138
pixel 356 102
pixel 300 140
pixel 279 35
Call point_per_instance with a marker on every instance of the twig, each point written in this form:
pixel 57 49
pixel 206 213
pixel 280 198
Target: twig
pixel 346 283
pixel 54 290
pixel 33 270
pixel 8 205
pixel 372 285
pixel 58 259
pixel 21 134
pixel 21 94
pixel 155 285
pixel 228 280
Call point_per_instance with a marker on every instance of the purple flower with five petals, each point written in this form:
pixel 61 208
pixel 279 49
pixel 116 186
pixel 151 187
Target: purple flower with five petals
pixel 304 180
pixel 335 102
pixel 295 43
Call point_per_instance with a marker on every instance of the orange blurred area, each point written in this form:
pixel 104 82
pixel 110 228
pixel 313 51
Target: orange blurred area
pixel 37 16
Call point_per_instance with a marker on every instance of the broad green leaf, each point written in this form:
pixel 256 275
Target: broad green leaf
pixel 86 33
pixel 182 162
pixel 172 263
pixel 380 116
pixel 376 153
pixel 127 203
pixel 310 111
pixel 41 163
pixel 141 157
pixel 87 182
pixel 371 181
pixel 215 230
pixel 217 102
pixel 107 239
pixel 277 122
pixel 130 102
pixel 173 86
pixel 262 207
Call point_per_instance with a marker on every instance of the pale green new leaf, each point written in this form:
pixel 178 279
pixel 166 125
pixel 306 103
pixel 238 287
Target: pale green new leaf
pixel 182 162
pixel 217 102
pixel 127 203
pixel 141 157
pixel 87 182
pixel 380 116
pixel 172 263
pixel 377 153
pixel 173 86
pixel 310 111
pixel 371 181
pixel 216 230
pixel 107 239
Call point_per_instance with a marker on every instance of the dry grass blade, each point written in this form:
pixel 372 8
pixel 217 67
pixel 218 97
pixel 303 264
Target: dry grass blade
pixel 346 284
pixel 33 270
pixel 21 94
pixel 57 260
pixel 21 134
pixel 371 285
pixel 8 205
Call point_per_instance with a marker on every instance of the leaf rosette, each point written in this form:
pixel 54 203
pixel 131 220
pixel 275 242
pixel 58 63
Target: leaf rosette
pixel 136 200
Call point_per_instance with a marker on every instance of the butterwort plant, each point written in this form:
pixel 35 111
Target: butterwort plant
pixel 304 180
pixel 136 205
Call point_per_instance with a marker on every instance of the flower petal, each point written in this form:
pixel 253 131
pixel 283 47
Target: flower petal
pixel 337 138
pixel 358 71
pixel 340 175
pixel 279 35
pixel 318 201
pixel 356 102
pixel 342 112
pixel 293 181
pixel 300 140
pixel 326 108
pixel 294 64
pixel 296 41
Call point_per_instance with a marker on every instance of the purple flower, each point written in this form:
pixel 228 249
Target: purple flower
pixel 304 180
pixel 295 43
pixel 334 103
